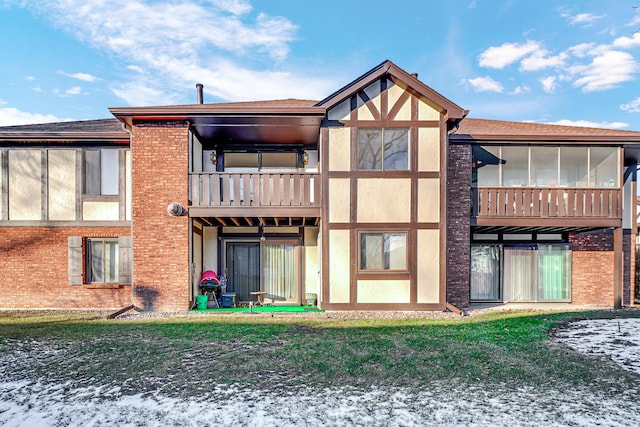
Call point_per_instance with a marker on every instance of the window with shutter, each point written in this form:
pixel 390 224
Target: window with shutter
pixel 75 260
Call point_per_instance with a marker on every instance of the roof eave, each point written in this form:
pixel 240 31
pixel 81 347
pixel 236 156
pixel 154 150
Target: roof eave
pixel 455 113
pixel 487 138
pixel 68 137
pixel 186 112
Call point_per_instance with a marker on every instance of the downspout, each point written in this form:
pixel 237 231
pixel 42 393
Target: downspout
pixel 133 304
pixel 127 129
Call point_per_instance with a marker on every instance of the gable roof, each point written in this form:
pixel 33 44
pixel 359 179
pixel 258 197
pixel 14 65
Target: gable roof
pixel 387 68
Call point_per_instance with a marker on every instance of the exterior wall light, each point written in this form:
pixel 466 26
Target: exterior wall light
pixel 175 209
pixel 305 158
pixel 214 157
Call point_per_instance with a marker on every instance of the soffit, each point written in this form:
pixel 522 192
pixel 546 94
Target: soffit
pixel 274 122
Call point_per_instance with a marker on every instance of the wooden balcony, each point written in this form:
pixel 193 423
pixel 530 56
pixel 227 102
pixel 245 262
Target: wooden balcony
pixel 251 194
pixel 579 205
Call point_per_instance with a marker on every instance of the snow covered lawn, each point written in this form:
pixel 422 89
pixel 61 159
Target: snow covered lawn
pixel 26 402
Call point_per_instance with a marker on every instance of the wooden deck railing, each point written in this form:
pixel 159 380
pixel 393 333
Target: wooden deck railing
pixel 255 189
pixel 522 202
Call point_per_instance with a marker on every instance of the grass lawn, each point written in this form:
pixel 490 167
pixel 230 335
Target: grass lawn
pixel 181 356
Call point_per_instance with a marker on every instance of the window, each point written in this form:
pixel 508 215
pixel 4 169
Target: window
pixel 101 172
pixel 383 251
pixel 102 261
pixel 257 161
pixel 536 166
pixel 383 149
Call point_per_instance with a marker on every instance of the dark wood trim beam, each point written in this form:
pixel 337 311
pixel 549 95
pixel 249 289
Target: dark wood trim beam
pixel 384 306
pixel 386 123
pixel 382 226
pixel 547 222
pixel 236 211
pixel 44 184
pixel 4 162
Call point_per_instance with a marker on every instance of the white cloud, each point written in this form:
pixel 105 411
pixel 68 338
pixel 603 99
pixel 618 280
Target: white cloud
pixel 139 92
pixel 581 50
pixel 539 60
pixel 75 90
pixel 583 19
pixel 485 84
pixel 519 90
pixel 589 124
pixel 237 7
pixel 607 70
pixel 632 106
pixel 625 42
pixel 548 84
pixel 85 77
pixel 506 54
pixel 10 116
pixel 30 78
pixel 181 43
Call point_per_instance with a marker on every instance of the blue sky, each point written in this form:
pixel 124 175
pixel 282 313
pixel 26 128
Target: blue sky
pixel 545 61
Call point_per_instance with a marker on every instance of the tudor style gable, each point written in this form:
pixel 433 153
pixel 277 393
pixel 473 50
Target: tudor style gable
pixel 383 144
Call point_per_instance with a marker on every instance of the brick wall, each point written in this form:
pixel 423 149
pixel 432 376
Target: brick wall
pixel 160 242
pixel 34 270
pixel 629 248
pixel 593 268
pixel 458 224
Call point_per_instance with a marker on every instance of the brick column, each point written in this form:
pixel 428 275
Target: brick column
pixel 160 173
pixel 458 224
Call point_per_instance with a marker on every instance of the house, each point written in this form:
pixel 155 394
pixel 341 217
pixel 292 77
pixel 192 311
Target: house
pixel 382 196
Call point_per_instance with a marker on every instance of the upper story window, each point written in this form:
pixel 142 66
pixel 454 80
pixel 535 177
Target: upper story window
pixel 383 149
pixel 523 166
pixel 101 172
pixel 260 161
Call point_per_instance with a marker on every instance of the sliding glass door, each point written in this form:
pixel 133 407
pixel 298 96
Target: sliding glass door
pixel 279 271
pixel 520 271
pixel 533 272
pixel 271 267
pixel 243 269
pixel 485 272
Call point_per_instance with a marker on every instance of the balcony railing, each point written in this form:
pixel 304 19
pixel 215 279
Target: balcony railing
pixel 255 189
pixel 522 202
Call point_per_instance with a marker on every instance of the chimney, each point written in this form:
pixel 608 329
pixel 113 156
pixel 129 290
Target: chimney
pixel 199 88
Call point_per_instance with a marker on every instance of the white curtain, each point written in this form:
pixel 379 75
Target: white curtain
pixel 485 272
pixel 520 274
pixel 279 271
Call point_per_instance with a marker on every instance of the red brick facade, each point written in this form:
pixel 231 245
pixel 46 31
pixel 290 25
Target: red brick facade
pixel 593 268
pixel 34 272
pixel 160 242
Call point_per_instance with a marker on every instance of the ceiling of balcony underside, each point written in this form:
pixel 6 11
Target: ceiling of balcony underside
pixel 257 221
pixel 257 130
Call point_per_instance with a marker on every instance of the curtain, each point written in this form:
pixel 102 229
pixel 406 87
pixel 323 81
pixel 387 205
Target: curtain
pixel 520 273
pixel 279 271
pixel 554 272
pixel 485 272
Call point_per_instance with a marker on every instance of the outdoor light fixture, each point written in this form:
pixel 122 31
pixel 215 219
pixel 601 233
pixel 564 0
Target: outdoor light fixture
pixel 214 157
pixel 305 158
pixel 175 209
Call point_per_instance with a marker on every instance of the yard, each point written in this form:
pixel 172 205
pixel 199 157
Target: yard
pixel 73 368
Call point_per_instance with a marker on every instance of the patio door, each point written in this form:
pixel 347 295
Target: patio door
pixel 271 267
pixel 243 269
pixel 279 267
pixel 485 272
